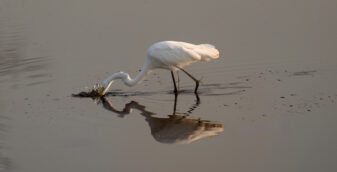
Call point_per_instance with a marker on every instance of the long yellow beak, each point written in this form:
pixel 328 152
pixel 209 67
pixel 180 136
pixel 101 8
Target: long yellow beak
pixel 101 90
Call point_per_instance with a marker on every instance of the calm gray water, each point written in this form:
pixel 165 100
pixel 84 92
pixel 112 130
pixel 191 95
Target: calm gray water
pixel 268 103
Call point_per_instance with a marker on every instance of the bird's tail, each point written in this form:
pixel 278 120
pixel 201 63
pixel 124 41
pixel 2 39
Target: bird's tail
pixel 207 52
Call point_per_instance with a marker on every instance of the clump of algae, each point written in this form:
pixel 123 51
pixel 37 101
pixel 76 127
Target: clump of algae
pixel 92 93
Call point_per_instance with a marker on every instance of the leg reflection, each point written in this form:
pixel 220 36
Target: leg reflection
pixel 177 128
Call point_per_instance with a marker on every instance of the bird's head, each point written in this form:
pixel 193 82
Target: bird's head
pixel 104 87
pixel 101 89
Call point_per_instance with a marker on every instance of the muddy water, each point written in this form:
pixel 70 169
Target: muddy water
pixel 268 104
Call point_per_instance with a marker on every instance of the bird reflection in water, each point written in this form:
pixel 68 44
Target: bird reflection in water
pixel 177 128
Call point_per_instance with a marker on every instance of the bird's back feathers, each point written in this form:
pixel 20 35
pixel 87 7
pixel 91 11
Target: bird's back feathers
pixel 172 53
pixel 207 51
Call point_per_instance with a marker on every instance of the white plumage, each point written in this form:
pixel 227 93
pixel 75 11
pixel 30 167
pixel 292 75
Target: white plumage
pixel 171 55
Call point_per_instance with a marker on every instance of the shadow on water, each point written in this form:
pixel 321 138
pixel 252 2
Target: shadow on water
pixel 177 128
pixel 217 89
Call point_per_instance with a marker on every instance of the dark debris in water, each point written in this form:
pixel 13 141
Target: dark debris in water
pixel 93 93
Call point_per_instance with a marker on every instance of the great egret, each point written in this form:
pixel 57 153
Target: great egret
pixel 170 55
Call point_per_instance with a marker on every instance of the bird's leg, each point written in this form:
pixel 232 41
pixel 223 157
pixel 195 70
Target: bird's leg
pixel 197 98
pixel 174 83
pixel 195 80
pixel 178 79
pixel 175 104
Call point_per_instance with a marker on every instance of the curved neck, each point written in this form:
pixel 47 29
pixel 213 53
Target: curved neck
pixel 131 82
pixel 126 77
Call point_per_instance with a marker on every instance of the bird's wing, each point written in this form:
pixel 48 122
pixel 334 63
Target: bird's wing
pixel 181 53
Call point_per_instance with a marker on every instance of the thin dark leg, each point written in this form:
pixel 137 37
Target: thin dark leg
pixel 175 104
pixel 195 80
pixel 174 83
pixel 197 98
pixel 178 85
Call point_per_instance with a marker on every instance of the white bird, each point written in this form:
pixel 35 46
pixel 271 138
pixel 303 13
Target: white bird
pixel 170 55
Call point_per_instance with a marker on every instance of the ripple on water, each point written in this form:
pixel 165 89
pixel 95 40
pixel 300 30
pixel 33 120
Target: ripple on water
pixel 17 68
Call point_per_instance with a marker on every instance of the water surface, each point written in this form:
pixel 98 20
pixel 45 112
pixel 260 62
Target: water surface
pixel 267 104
